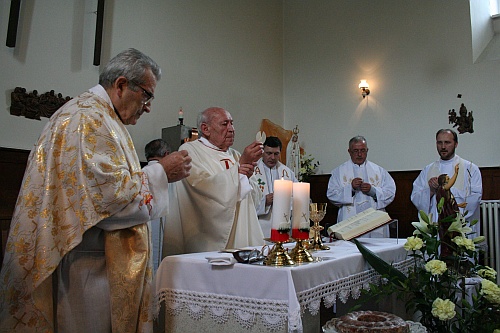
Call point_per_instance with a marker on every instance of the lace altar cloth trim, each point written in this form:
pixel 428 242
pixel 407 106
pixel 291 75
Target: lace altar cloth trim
pixel 272 314
pixel 343 288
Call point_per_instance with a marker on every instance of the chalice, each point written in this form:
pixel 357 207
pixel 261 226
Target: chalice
pixel 317 212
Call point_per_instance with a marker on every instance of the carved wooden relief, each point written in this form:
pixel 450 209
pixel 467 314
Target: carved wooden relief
pixel 463 121
pixel 33 106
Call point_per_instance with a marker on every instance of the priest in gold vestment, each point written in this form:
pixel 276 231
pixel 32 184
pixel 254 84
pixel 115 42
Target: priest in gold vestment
pixel 78 257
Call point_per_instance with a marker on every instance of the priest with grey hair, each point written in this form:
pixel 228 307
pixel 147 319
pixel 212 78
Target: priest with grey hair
pixel 359 184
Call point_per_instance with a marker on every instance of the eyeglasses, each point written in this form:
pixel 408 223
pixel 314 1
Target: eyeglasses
pixel 362 151
pixel 148 96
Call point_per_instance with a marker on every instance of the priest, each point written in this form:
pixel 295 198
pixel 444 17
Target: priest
pixel 215 206
pixel 359 184
pixel 78 257
pixel 467 188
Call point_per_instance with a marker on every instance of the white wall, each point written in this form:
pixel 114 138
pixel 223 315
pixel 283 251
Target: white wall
pixel 218 52
pixel 416 56
pixel 295 62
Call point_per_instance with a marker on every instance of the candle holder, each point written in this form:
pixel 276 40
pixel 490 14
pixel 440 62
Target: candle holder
pixel 317 212
pixel 278 255
pixel 299 253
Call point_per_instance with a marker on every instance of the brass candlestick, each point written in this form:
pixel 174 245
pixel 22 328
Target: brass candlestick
pixel 299 253
pixel 278 255
pixel 317 212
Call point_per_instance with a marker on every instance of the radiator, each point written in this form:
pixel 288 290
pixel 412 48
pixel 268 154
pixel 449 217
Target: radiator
pixel 490 228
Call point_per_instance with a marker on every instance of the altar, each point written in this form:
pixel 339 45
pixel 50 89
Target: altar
pixel 195 296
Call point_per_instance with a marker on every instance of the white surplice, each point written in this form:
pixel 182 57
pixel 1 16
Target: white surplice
pixel 265 178
pixel 212 210
pixel 352 202
pixel 467 188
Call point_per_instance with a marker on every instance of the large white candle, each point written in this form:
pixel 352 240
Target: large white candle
pixel 300 213
pixel 281 204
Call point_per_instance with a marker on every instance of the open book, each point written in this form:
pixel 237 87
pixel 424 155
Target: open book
pixel 359 224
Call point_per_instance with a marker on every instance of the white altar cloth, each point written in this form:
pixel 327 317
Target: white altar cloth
pixel 276 297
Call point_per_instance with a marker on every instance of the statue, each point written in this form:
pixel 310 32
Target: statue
pixel 464 121
pixel 449 208
pixel 17 97
pixel 293 152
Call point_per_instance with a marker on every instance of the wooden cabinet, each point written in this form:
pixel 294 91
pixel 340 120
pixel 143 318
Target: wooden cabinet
pixel 12 167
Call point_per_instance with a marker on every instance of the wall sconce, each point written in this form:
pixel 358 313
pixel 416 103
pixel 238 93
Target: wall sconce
pixel 363 85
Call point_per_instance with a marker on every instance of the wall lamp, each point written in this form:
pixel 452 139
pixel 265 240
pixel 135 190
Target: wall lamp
pixel 363 85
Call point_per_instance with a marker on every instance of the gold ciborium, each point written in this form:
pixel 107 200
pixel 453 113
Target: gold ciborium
pixel 317 212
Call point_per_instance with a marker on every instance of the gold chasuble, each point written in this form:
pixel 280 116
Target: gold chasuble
pixel 83 169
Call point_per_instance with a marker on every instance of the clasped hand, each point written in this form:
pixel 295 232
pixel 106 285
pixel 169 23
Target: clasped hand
pixel 359 185
pixel 433 184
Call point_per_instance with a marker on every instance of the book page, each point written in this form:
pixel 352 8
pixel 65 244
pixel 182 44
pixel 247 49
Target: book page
pixel 359 224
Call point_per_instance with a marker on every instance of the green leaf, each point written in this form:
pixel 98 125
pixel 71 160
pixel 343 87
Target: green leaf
pixel 379 265
pixel 440 205
pixel 424 217
pixel 432 246
pixel 449 218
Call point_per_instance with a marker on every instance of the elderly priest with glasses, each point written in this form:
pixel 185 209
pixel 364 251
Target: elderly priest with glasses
pixel 78 257
pixel 359 184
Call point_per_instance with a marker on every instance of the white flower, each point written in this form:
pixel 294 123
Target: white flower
pixel 413 243
pixel 457 227
pixel 487 273
pixel 443 309
pixel 464 242
pixel 422 225
pixel 436 267
pixel 490 291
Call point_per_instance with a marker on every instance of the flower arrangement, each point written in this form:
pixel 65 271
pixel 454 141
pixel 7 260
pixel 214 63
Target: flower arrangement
pixel 307 167
pixel 451 293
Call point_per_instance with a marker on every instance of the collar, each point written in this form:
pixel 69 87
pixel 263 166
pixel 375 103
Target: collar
pixel 357 165
pixel 101 92
pixel 276 167
pixel 207 143
pixel 451 160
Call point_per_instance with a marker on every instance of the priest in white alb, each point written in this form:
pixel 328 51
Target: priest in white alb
pixel 268 169
pixel 215 206
pixel 359 184
pixel 466 189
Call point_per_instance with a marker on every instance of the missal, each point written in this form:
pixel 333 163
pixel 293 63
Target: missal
pixel 359 224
